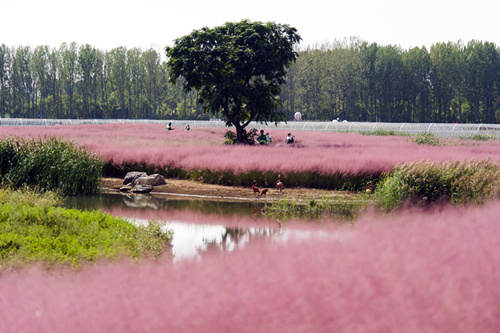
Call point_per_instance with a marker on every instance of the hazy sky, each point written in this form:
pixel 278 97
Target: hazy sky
pixel 107 24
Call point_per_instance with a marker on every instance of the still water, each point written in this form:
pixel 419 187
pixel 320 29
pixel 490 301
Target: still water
pixel 193 236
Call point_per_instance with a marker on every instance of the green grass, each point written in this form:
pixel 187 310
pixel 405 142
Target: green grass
pixel 426 139
pixel 426 182
pixel 33 229
pixel 482 137
pixel 49 164
pixel 318 210
pixel 381 132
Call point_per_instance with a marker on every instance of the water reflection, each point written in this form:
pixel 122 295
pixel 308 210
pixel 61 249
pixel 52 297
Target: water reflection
pixel 145 202
pixel 194 240
pixel 191 240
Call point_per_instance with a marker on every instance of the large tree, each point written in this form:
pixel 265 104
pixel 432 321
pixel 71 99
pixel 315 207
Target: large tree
pixel 237 68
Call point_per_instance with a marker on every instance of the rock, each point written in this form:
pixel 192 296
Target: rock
pixel 125 188
pixel 153 180
pixel 148 180
pixel 132 176
pixel 142 188
pixel 138 200
pixel 160 180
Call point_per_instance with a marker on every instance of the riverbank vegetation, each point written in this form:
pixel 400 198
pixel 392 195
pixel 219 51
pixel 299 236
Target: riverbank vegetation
pixel 386 259
pixel 49 164
pixel 427 183
pixel 323 160
pixel 326 160
pixel 374 277
pixel 34 229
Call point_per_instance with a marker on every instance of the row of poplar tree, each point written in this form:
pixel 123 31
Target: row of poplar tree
pixel 347 79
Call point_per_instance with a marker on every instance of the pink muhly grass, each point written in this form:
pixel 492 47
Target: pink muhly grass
pixel 202 148
pixel 411 272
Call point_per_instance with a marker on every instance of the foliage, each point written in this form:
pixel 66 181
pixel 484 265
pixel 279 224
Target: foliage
pixel 49 164
pixel 247 137
pixel 426 139
pixel 374 276
pixel 382 132
pixel 481 137
pixel 34 229
pixel 325 160
pixel 318 210
pixel 426 182
pixel 348 79
pixel 237 69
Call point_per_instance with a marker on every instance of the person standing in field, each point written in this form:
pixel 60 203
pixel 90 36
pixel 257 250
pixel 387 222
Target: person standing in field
pixel 169 127
pixel 262 138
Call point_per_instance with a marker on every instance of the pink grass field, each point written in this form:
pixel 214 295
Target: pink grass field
pixel 413 271
pixel 410 272
pixel 202 148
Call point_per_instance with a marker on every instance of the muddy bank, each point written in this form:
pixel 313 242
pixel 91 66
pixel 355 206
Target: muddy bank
pixel 187 188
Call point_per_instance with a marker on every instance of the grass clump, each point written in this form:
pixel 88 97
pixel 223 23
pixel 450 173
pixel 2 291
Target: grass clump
pixel 318 210
pixel 426 182
pixel 426 139
pixel 49 164
pixel 33 229
pixel 381 132
pixel 482 137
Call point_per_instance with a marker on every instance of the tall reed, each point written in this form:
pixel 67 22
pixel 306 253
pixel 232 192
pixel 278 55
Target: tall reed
pixel 49 164
pixel 427 182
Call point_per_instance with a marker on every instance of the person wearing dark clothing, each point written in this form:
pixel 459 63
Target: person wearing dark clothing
pixel 262 138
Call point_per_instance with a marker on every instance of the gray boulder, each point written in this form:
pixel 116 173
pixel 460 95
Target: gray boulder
pixel 125 188
pixel 160 180
pixel 142 188
pixel 153 180
pixel 131 176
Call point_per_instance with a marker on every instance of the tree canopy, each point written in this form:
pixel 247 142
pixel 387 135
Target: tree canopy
pixel 238 69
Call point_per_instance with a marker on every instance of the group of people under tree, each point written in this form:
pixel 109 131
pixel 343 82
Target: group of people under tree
pixel 264 139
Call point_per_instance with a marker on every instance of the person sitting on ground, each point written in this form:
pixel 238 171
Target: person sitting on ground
pixel 262 138
pixel 169 127
pixel 187 128
pixel 290 138
pixel 269 137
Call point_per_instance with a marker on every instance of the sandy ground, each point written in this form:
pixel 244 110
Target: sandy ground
pixel 187 188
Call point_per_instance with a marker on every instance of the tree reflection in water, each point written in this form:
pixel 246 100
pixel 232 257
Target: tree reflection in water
pixel 192 238
pixel 236 238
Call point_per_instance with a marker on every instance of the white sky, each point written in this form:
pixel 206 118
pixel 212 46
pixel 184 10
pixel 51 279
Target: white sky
pixel 107 24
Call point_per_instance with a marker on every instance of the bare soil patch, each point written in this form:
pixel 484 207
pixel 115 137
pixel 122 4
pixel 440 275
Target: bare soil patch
pixel 187 188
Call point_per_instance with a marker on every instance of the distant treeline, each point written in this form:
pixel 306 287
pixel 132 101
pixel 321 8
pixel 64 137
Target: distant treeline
pixel 347 79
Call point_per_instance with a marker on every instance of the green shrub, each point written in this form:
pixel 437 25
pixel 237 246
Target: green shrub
pixel 426 139
pixel 33 229
pixel 49 164
pixel 482 137
pixel 425 182
pixel 318 210
pixel 248 137
pixel 381 132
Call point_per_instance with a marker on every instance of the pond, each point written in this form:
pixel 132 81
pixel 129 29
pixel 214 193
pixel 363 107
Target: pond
pixel 199 226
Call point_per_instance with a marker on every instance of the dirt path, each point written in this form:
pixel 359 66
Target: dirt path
pixel 187 188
